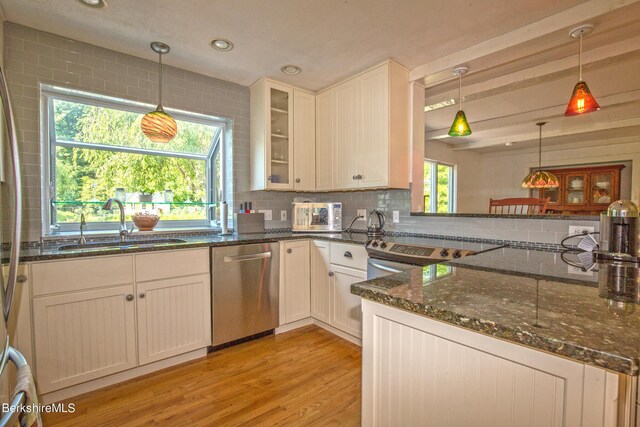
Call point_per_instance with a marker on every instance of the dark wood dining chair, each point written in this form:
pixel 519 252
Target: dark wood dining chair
pixel 518 206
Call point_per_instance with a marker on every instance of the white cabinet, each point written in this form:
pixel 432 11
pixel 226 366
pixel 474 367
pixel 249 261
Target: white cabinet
pixel 173 317
pixel 304 141
pixel 370 128
pixel 282 137
pixel 320 281
pixel 346 313
pixel 295 300
pixel 80 336
pixel 324 140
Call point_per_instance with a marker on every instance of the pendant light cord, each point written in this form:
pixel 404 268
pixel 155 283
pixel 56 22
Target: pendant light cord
pixel 580 57
pixel 540 147
pixel 160 79
pixel 460 90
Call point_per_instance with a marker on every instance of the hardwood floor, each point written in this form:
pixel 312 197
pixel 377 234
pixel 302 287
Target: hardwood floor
pixel 303 377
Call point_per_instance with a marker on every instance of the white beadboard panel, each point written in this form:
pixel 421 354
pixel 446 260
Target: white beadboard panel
pixel 320 281
pixel 82 336
pixel 346 313
pixel 162 265
pixel 346 134
pixel 304 141
pixel 174 317
pixel 374 128
pixel 65 275
pixel 418 371
pixel 324 140
pixel 296 278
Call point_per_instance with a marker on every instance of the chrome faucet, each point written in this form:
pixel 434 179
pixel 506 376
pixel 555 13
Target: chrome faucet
pixel 83 226
pixel 124 233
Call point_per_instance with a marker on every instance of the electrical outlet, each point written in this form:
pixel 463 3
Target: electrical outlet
pixel 396 217
pixel 363 214
pixel 268 214
pixel 283 215
pixel 579 229
pixel 576 270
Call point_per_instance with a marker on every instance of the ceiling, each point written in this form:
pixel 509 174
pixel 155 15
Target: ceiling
pixel 329 39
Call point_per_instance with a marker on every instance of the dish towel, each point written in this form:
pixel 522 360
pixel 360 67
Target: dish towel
pixel 24 382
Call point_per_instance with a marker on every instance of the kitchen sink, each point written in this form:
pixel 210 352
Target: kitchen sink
pixel 129 244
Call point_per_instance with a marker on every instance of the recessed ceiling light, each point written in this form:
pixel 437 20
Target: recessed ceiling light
pixel 508 144
pixel 94 3
pixel 222 45
pixel 291 69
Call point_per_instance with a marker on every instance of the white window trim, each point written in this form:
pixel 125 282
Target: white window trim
pixel 453 183
pixel 48 93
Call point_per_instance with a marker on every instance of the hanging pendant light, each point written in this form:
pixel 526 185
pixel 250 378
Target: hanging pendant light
pixel 460 125
pixel 582 101
pixel 540 178
pixel 157 125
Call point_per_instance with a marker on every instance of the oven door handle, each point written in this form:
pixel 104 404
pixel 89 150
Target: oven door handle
pixel 384 267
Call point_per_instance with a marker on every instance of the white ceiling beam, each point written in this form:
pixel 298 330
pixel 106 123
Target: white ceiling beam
pixel 557 22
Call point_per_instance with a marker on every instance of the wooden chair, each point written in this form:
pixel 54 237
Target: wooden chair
pixel 518 206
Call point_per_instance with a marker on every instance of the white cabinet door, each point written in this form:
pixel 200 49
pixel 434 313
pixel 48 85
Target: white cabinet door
pixel 374 128
pixel 304 141
pixel 346 313
pixel 174 316
pixel 347 130
pixel 296 278
pixel 81 336
pixel 320 281
pixel 324 140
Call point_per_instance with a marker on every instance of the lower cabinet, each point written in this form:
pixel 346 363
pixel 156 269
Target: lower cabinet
pixel 173 317
pixel 346 313
pixel 320 281
pixel 81 336
pixel 295 292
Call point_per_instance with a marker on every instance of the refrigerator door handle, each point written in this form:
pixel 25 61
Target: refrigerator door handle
pixel 7 292
pixel 10 417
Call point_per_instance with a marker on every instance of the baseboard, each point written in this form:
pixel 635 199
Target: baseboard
pixel 338 332
pixel 93 385
pixel 294 325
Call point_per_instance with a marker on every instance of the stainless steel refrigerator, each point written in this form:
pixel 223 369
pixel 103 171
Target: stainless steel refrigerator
pixel 10 228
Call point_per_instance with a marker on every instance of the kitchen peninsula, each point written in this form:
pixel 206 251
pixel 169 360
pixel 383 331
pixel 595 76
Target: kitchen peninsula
pixel 506 337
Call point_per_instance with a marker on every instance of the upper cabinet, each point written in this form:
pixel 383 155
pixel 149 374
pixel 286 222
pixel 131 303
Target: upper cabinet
pixel 354 135
pixel 282 137
pixel 370 129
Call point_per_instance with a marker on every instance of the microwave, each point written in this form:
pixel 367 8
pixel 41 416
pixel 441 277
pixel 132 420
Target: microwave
pixel 317 217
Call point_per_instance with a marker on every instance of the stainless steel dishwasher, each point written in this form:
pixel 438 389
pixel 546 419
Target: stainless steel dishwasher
pixel 245 288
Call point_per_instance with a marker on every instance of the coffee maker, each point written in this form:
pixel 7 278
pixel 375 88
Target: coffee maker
pixel 620 232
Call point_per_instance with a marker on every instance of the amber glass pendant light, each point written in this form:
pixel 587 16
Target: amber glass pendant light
pixel 460 126
pixel 540 178
pixel 582 101
pixel 157 125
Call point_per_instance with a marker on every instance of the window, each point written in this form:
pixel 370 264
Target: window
pixel 439 187
pixel 95 150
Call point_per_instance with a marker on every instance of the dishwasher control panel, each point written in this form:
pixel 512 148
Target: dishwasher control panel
pixel 413 253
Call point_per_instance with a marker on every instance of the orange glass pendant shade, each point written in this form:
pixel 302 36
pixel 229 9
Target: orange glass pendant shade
pixel 460 126
pixel 540 179
pixel 582 101
pixel 158 126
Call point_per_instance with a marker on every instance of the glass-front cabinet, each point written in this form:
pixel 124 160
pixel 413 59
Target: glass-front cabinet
pixel 278 171
pixel 585 190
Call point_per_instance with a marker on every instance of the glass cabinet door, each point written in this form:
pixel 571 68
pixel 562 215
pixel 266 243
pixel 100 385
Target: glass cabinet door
pixel 280 108
pixel 575 189
pixel 552 193
pixel 602 188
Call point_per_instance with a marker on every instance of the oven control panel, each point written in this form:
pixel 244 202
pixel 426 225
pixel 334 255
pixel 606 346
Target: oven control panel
pixel 413 254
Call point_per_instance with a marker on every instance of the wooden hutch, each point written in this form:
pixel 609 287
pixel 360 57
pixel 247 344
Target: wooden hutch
pixel 583 190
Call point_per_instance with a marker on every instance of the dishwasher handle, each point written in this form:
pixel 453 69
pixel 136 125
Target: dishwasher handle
pixel 248 257
pixel 384 267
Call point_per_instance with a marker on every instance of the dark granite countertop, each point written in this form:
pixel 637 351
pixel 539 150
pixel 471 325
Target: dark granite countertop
pixel 52 252
pixel 522 216
pixel 527 297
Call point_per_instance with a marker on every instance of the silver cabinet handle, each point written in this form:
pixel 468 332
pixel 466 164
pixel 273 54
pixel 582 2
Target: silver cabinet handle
pixel 355 176
pixel 360 176
pixel 289 251
pixel 247 257
pixel 331 274
pixel 129 297
pixel 348 254
pixel 298 180
pixel 142 295
pixel 21 278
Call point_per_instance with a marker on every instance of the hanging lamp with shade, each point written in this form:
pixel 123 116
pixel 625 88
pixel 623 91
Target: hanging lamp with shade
pixel 460 125
pixel 582 101
pixel 540 178
pixel 157 125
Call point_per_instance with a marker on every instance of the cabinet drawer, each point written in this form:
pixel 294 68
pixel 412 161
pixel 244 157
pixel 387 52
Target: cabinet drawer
pixel 164 265
pixel 81 274
pixel 340 255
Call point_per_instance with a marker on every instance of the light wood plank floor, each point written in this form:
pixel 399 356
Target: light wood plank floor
pixel 303 377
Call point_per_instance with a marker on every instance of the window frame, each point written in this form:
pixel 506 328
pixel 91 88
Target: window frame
pixel 49 143
pixel 453 186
